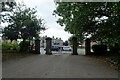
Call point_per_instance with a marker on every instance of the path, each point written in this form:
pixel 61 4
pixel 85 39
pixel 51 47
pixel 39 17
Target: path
pixel 58 66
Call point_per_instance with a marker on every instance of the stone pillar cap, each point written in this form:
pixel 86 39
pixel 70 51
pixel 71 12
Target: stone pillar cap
pixel 48 38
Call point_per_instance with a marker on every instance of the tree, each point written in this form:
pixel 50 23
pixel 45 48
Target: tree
pixel 6 9
pixel 23 23
pixel 70 40
pixel 65 43
pixel 10 33
pixel 98 20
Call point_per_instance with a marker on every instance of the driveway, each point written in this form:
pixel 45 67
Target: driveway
pixel 58 65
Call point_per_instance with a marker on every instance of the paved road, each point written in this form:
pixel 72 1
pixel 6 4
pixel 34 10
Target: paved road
pixel 80 51
pixel 58 66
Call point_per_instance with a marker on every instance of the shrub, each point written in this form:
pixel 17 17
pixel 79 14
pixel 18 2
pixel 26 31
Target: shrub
pixel 10 46
pixel 114 49
pixel 15 47
pixel 99 49
pixel 24 46
pixel 6 46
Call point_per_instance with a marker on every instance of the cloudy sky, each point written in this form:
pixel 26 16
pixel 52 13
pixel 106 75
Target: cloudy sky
pixel 45 10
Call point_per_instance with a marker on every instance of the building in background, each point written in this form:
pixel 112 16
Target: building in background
pixel 55 41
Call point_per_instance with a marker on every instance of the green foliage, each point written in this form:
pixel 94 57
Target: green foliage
pixel 24 46
pixel 6 46
pixel 115 49
pixel 99 20
pixel 70 40
pixel 10 6
pixel 99 49
pixel 80 39
pixel 7 7
pixel 10 33
pixel 23 23
pixel 10 46
pixel 65 43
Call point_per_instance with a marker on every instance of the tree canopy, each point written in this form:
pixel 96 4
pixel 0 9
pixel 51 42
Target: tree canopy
pixel 23 23
pixel 95 19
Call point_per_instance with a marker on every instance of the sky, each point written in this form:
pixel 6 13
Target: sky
pixel 45 10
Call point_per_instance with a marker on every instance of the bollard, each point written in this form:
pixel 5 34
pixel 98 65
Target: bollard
pixel 48 46
pixel 87 46
pixel 37 46
pixel 75 45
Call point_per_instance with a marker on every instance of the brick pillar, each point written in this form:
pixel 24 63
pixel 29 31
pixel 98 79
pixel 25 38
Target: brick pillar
pixel 75 45
pixel 48 46
pixel 87 46
pixel 37 46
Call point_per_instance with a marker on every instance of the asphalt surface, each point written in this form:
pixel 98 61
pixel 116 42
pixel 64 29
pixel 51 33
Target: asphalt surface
pixel 58 65
pixel 80 51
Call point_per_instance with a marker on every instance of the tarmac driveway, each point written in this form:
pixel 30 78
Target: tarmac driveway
pixel 58 66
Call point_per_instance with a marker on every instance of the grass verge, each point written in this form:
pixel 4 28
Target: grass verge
pixel 14 55
pixel 112 60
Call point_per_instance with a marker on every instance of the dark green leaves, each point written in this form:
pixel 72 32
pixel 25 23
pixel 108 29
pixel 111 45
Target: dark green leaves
pixel 23 23
pixel 100 20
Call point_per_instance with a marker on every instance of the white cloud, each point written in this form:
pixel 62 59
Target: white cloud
pixel 57 33
pixel 45 10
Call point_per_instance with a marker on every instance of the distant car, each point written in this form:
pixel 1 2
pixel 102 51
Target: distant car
pixel 67 48
pixel 55 48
